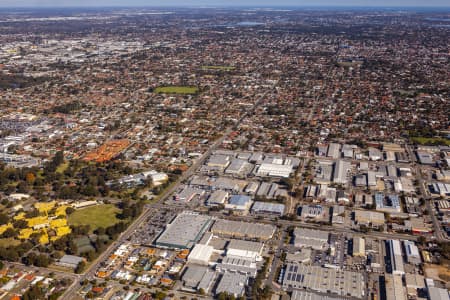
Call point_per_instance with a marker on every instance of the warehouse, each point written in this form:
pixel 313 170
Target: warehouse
pixel 184 231
pixel 232 284
pixel 435 293
pixel 389 204
pixel 359 247
pixel 243 229
pixel 237 265
pixel 395 257
pixel 341 168
pixel 69 261
pixel 200 254
pixel 274 170
pixel 347 150
pixel 198 277
pixel 369 218
pixel 251 188
pixel 313 212
pixel 245 249
pixel 218 197
pixel 394 287
pixel 335 281
pixel 324 172
pixel 268 208
pixel 238 167
pixel 424 158
pixel 188 193
pixel 311 238
pixel 333 150
pixel 412 253
pixel 240 203
pixel 219 161
pixel 304 295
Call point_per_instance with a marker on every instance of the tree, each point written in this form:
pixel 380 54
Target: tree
pixel 4 219
pixel 80 267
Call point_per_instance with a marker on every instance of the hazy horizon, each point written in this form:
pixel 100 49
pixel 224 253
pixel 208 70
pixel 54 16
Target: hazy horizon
pixel 219 3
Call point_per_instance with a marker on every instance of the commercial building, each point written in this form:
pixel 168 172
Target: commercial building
pixel 200 254
pixel 238 167
pixel 243 230
pixel 395 257
pixel 69 261
pixel 268 208
pixel 184 231
pixel 310 238
pixel 232 284
pixel 324 280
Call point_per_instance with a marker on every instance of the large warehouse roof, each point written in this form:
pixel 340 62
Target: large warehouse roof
pixel 185 230
pixel 243 229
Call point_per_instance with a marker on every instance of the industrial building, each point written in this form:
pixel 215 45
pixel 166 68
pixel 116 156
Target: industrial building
pixel 241 203
pixel 311 238
pixel 274 170
pixel 238 167
pixel 435 293
pixel 184 231
pixel 389 203
pixel 341 168
pixel 69 261
pixel 412 253
pixel 200 254
pixel 359 247
pixel 394 288
pixel 304 295
pixel 232 284
pixel 369 218
pixel 198 277
pixel 334 150
pixel 245 249
pixel 395 257
pixel 424 158
pixel 217 198
pixel 237 265
pixel 268 208
pixel 243 230
pixel 334 281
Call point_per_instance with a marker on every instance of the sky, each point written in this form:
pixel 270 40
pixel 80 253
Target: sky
pixel 159 3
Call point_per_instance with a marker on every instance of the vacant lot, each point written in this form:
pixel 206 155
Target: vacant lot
pixel 96 216
pixel 185 90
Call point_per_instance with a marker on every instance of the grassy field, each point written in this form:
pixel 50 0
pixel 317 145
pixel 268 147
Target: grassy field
pixel 96 216
pixel 223 68
pixel 431 141
pixel 184 90
pixel 9 242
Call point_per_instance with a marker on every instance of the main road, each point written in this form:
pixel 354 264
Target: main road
pixel 71 292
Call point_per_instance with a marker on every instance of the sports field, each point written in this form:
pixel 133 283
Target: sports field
pixel 183 90
pixel 103 215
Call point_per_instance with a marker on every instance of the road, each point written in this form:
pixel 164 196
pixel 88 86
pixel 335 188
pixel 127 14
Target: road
pixel 90 272
pixel 438 232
